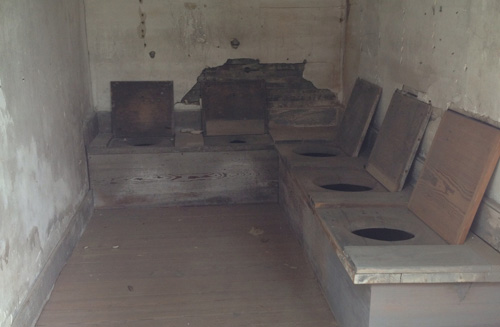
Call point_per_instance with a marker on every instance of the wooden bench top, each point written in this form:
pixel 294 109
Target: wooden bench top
pixel 472 262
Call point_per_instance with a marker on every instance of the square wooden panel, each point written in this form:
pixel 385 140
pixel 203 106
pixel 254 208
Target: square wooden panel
pixel 141 109
pixel 459 165
pixel 398 140
pixel 234 107
pixel 358 115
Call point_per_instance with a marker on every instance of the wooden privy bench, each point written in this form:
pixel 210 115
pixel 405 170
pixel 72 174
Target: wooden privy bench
pixel 438 274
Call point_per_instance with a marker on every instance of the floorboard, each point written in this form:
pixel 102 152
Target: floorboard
pixel 196 266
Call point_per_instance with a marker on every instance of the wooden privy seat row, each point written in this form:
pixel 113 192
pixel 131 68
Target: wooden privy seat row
pixel 389 255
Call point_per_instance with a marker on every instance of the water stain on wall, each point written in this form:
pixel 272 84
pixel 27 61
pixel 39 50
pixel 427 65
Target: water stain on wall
pixel 4 253
pixel 3 102
pixel 141 29
pixel 190 5
pixel 193 26
pixel 34 238
pixel 6 123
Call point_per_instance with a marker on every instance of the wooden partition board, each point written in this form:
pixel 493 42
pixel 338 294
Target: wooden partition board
pixel 398 140
pixel 358 115
pixel 142 108
pixel 234 107
pixel 459 165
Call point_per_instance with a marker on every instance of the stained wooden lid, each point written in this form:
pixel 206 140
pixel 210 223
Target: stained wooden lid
pixel 459 165
pixel 358 115
pixel 398 140
pixel 234 107
pixel 142 108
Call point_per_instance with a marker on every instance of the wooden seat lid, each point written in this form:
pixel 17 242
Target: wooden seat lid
pixel 459 165
pixel 234 107
pixel 142 108
pixel 398 140
pixel 358 115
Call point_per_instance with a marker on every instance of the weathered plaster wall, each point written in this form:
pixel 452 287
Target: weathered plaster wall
pixel 187 37
pixel 447 49
pixel 44 98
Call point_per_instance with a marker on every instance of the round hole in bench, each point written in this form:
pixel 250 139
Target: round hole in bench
pixel 316 151
pixel 237 142
pixel 318 154
pixel 143 141
pixel 346 187
pixel 384 234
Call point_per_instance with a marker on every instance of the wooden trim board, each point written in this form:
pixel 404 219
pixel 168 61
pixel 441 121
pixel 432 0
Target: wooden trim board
pixel 459 165
pixel 39 293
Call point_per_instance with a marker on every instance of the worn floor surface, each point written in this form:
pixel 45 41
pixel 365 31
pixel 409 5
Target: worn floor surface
pixel 196 266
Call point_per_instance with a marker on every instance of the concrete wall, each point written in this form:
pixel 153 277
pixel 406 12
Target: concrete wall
pixel 44 99
pixel 189 36
pixel 447 50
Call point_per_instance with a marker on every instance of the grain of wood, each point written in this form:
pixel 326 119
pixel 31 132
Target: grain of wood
pixel 142 108
pixel 358 115
pixel 398 140
pixel 189 178
pixel 459 165
pixel 194 266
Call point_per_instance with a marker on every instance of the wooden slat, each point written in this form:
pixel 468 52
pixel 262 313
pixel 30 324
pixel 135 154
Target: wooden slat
pixel 356 200
pixel 290 133
pixel 444 305
pixel 190 178
pixel 415 259
pixel 190 266
pixel 187 140
pixel 457 170
pixel 235 127
pixel 398 140
pixel 487 223
pixel 358 115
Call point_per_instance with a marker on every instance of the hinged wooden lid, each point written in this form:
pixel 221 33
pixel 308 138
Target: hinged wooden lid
pixel 358 115
pixel 459 165
pixel 398 140
pixel 234 107
pixel 142 109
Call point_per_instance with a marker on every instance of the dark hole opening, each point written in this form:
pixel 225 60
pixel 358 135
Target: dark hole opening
pixel 346 187
pixel 384 234
pixel 238 142
pixel 143 141
pixel 318 154
pixel 316 151
pixel 143 144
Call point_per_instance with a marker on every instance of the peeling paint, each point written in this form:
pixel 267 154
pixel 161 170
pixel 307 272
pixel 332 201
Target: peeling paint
pixel 34 239
pixel 194 26
pixel 34 174
pixel 188 36
pixel 44 95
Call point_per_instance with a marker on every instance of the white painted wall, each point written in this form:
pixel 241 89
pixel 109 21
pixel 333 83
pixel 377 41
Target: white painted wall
pixel 190 36
pixel 447 49
pixel 44 98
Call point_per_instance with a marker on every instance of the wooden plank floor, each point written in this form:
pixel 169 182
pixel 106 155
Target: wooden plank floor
pixel 192 266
